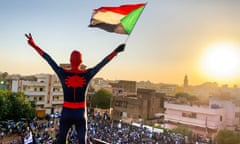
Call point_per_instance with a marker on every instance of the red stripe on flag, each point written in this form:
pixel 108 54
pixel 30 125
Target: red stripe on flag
pixel 123 9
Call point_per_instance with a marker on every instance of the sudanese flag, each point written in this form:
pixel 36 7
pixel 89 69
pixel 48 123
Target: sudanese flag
pixel 120 19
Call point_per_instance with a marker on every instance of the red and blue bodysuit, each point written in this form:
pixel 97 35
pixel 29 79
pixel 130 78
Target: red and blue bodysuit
pixel 74 83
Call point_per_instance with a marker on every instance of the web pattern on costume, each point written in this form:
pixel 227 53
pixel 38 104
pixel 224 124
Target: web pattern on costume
pixel 75 81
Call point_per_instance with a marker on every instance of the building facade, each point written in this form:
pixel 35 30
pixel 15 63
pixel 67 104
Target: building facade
pixel 141 108
pixel 129 87
pixel 205 120
pixel 46 92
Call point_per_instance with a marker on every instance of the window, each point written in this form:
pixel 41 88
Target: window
pixel 56 98
pixel 117 103
pixel 124 104
pixel 189 115
pixel 237 114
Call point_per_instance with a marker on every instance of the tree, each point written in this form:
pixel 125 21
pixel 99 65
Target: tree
pixel 181 129
pixel 14 106
pixel 3 75
pixel 228 137
pixel 102 99
pixel 185 97
pixel 3 105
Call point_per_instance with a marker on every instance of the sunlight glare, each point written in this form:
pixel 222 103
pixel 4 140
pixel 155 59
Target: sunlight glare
pixel 222 61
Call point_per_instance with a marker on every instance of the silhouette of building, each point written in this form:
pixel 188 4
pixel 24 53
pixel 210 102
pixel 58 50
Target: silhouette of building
pixel 185 81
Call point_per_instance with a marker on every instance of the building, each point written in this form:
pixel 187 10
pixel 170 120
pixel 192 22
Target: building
pixel 142 107
pixel 100 83
pixel 46 92
pixel 205 120
pixel 68 66
pixel 129 87
pixel 185 84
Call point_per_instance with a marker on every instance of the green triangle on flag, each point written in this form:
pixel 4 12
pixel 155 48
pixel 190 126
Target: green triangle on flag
pixel 129 21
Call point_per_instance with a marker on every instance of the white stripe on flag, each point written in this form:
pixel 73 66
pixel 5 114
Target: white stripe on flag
pixel 108 17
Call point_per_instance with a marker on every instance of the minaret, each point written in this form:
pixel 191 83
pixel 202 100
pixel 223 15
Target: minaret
pixel 185 81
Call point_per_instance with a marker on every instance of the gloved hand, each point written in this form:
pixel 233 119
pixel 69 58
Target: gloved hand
pixel 120 48
pixel 30 40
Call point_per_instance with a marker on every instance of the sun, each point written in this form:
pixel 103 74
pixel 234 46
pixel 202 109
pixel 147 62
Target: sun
pixel 221 61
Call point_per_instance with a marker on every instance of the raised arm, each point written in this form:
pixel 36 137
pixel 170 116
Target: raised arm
pixel 47 57
pixel 108 58
pixel 32 43
pixel 119 49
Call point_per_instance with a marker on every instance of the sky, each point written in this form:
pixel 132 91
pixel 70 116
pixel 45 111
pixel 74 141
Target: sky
pixel 170 40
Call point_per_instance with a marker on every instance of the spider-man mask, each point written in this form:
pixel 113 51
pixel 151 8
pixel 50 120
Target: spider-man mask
pixel 76 59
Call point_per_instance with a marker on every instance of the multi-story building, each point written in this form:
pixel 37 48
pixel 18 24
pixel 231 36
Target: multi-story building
pixel 100 83
pixel 142 107
pixel 204 120
pixel 129 87
pixel 46 92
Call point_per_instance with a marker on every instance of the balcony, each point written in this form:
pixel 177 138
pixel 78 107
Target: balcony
pixel 194 122
pixel 40 102
pixel 57 93
pixel 195 109
pixel 35 93
pixel 57 102
pixel 33 83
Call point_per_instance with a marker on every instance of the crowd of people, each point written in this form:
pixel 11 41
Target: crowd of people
pixel 118 132
pixel 100 128
pixel 26 132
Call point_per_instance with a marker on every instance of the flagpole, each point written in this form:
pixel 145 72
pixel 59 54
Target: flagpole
pixel 126 39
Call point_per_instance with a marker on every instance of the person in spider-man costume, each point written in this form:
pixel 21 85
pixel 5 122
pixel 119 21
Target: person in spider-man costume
pixel 74 83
